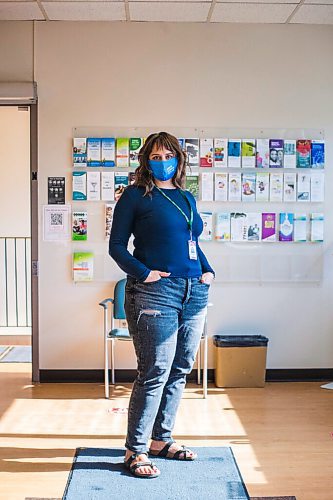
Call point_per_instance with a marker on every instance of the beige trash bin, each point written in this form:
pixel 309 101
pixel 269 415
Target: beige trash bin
pixel 240 360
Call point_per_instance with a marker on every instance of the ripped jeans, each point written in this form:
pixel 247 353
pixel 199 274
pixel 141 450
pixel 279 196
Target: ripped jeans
pixel 166 320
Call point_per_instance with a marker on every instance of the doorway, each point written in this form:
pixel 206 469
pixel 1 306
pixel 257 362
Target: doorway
pixel 16 304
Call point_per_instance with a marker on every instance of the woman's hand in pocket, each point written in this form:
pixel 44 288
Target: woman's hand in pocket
pixel 156 276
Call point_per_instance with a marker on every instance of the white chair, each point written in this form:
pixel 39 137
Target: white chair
pixel 117 312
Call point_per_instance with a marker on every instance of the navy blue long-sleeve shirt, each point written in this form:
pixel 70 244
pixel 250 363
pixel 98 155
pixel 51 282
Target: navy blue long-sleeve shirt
pixel 160 232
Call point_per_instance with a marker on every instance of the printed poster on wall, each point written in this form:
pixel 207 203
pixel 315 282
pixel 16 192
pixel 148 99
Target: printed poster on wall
pixel 56 222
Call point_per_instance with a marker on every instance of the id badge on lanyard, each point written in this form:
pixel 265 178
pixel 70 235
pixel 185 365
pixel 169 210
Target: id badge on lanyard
pixel 192 249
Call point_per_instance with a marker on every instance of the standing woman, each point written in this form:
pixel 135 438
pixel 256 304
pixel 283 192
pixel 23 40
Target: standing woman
pixel 168 279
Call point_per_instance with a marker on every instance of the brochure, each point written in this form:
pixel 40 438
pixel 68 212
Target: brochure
pixel 234 153
pixel 220 152
pixel 207 186
pixel 79 152
pixel 192 151
pixel 122 151
pixel 303 153
pixel 248 153
pixel 108 151
pixel 303 187
pixel 109 210
pixel 289 153
pixel 221 186
pixel 248 187
pixel 206 152
pixel 300 228
pixel 262 154
pixel 79 186
pixel 276 149
pixel 268 226
pixel 318 154
pixel 235 187
pixel 222 227
pixel 94 152
pixel 135 144
pixel 317 186
pixel 83 266
pixel 207 219
pixel 317 227
pixel 276 187
pixel 79 226
pixel 289 187
pixel 286 227
pixel 192 184
pixel 262 186
pixel 93 186
pixel 107 187
pixel 120 182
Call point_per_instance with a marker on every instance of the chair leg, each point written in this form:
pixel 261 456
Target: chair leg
pixel 112 362
pixel 106 369
pixel 205 362
pixel 199 364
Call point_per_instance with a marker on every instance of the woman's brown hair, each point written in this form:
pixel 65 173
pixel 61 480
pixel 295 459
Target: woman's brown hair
pixel 162 140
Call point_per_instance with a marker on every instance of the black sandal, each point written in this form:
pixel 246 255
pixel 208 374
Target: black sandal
pixel 134 467
pixel 164 452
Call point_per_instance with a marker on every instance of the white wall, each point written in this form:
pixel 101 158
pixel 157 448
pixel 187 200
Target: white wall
pixel 115 75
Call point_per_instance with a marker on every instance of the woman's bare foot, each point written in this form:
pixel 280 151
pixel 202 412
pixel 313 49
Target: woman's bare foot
pixel 145 470
pixel 158 445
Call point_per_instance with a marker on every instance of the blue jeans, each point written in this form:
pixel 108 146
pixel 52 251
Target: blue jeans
pixel 166 320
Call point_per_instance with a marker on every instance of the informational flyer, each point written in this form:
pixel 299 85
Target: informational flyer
pixel 207 186
pixel 94 152
pixel 93 186
pixel 83 266
pixel 56 190
pixel 300 228
pixel 56 222
pixel 317 187
pixel 107 187
pixel 79 185
pixel 207 233
pixel 262 186
pixel 135 144
pixel 108 151
pixel 220 152
pixel 79 152
pixel 268 226
pixel 317 227
pixel 109 210
pixel 248 153
pixel 221 186
pixel 79 226
pixel 192 184
pixel 206 152
pixel 222 227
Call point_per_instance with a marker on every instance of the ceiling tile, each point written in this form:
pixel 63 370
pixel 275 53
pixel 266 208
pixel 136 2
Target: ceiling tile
pixel 252 13
pixel 20 11
pixel 85 11
pixel 260 1
pixel 322 2
pixel 314 14
pixel 169 12
pixel 173 1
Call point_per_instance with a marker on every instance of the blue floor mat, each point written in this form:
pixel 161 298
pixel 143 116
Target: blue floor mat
pixel 19 354
pixel 99 474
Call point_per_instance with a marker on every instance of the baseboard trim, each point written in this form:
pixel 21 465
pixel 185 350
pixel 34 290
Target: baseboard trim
pixel 272 375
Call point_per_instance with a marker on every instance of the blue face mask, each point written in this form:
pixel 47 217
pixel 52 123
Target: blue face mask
pixel 163 170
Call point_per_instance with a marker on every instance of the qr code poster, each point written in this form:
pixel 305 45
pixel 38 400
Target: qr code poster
pixel 56 222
